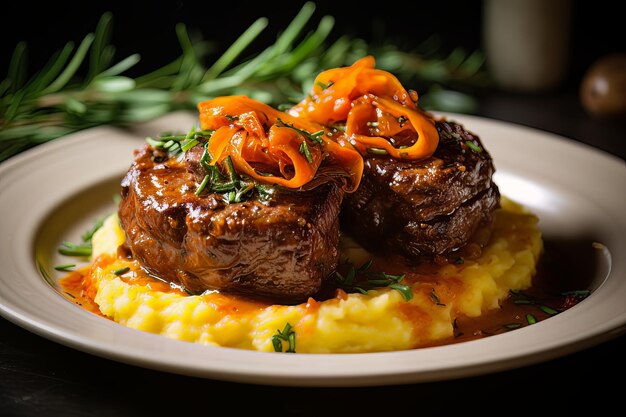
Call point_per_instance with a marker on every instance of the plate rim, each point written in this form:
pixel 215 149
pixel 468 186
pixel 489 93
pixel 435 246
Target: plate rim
pixel 294 375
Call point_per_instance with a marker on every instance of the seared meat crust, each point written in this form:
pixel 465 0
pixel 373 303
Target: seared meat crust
pixel 428 207
pixel 283 248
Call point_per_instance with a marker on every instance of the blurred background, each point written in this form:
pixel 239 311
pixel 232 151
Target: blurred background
pixel 506 59
pixel 148 28
pixel 539 63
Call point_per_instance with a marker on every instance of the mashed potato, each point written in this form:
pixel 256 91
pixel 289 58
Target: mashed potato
pixel 381 320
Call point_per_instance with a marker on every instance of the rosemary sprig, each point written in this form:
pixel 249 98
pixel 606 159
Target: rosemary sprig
pixel 81 86
pixel 88 235
pixel 176 143
pixel 82 249
pixel 234 187
pixel 72 249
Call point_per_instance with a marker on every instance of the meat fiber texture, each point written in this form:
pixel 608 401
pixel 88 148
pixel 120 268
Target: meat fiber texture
pixel 287 247
pixel 283 248
pixel 429 207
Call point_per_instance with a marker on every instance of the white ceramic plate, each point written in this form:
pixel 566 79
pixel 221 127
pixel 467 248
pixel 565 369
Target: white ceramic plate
pixel 56 191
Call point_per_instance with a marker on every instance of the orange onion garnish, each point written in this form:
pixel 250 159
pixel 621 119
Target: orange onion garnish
pixel 350 112
pixel 274 147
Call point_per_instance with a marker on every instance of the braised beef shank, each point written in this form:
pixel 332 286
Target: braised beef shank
pixel 283 248
pixel 428 207
pixel 287 247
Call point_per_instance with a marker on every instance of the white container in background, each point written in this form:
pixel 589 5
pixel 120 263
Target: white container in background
pixel 526 42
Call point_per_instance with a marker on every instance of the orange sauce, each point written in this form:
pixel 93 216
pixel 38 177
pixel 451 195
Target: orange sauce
pixel 542 300
pixel 72 285
pixel 563 279
pixel 230 304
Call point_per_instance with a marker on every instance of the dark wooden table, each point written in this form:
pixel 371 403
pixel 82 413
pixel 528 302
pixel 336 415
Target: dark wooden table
pixel 42 378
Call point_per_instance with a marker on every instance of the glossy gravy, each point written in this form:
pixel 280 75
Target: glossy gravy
pixel 563 279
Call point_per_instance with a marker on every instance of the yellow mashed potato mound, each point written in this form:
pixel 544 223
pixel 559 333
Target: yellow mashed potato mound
pixel 381 320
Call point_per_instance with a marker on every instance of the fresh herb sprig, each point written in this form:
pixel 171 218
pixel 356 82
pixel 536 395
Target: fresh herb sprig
pixel 121 271
pixel 78 250
pixel 233 186
pixel 362 280
pixel 473 147
pixel 88 235
pixel 315 137
pixel 435 298
pixel 176 144
pixel 286 335
pixel 65 267
pixel 522 298
pixel 82 86
pixel 82 249
pixel 71 249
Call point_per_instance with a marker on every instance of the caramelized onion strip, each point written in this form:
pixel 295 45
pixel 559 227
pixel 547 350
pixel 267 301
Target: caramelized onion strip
pixel 256 135
pixel 338 97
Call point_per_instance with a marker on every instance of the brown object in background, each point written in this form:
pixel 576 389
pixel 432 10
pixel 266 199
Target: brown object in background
pixel 603 88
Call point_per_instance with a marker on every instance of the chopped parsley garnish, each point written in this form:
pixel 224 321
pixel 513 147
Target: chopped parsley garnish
pixel 265 191
pixel 202 185
pixel 339 127
pixel 524 299
pixel 284 106
pixel 530 300
pixel 287 335
pixel 362 280
pixel 72 249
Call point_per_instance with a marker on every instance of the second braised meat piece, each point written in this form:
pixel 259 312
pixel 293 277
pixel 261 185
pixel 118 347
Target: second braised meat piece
pixel 428 207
